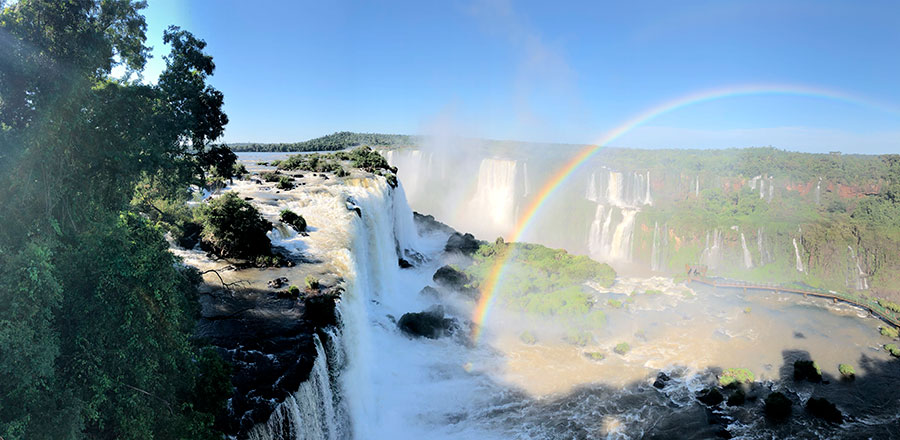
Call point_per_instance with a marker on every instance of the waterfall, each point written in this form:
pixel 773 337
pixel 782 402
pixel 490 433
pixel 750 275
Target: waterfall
pixel 595 235
pixel 762 190
pixel 614 189
pixel 647 199
pixel 697 187
pixel 765 256
pixel 711 253
pixel 771 189
pixel 797 254
pixel 495 196
pixel 310 412
pixel 591 193
pixel 605 238
pixel 748 261
pixel 620 248
pixel 654 251
pixel 404 225
pixel 856 278
pixel 526 191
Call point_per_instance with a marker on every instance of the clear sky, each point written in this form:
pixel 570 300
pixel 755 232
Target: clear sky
pixel 547 71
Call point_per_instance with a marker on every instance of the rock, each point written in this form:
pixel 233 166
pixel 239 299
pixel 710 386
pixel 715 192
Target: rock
pixel 430 291
pixel 778 407
pixel 277 283
pixel 190 235
pixel 807 370
pixel 403 263
pixel 426 224
pixel 319 310
pixel 825 410
pixel 450 278
pixel 661 380
pixel 462 243
pixel 430 324
pixel 710 397
pixel 737 398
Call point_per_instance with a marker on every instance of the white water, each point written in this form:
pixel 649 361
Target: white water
pixel 748 260
pixel 654 251
pixel 495 197
pixel 711 254
pixel 697 187
pixel 856 276
pixel 797 255
pixel 309 413
pixel 819 191
pixel 620 248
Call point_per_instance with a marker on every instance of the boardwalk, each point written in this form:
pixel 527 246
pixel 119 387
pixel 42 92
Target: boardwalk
pixel 869 304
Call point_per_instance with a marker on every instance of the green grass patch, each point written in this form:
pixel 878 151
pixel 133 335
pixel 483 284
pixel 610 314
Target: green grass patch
pixel 736 376
pixel 622 348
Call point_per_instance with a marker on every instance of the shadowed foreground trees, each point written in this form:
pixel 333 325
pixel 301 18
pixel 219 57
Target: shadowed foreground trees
pixel 95 313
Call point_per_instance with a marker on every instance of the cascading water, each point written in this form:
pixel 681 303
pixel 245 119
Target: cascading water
pixel 495 196
pixel 310 413
pixel 618 198
pixel 799 263
pixel 654 250
pixel 711 255
pixel 748 260
pixel 697 187
pixel 620 247
pixel 856 277
pixel 819 192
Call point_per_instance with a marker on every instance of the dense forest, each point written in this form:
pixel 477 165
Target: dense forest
pixel 96 314
pixel 332 142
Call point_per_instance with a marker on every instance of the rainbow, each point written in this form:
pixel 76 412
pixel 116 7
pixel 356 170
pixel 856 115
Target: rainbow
pixel 495 275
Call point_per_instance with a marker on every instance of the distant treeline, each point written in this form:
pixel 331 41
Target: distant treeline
pixel 332 142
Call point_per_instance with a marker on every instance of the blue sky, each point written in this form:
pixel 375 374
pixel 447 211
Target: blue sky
pixel 543 71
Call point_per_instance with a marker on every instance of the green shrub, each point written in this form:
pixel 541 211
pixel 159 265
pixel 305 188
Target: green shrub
pixel 594 355
pixel 622 348
pixel 747 309
pixel 847 370
pixel 528 338
pixel 270 177
pixel 295 220
pixel 890 332
pixel 578 338
pixel 892 349
pixel 239 170
pixel 614 303
pixel 294 291
pixel 736 376
pixel 653 292
pixel 312 283
pixel 285 183
pixel 234 228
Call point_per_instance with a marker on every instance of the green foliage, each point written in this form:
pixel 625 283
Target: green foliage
pixel 595 355
pixel 333 142
pixel 890 332
pixel 846 370
pixel 294 291
pixel 890 305
pixel 234 228
pixel 312 283
pixel 543 281
pixel 736 376
pixel 614 303
pixel 808 370
pixel 95 312
pixel 284 183
pixel 578 338
pixel 892 349
pixel 527 338
pixel 295 220
pixel 622 348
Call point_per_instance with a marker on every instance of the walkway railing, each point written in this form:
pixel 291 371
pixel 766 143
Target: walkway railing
pixel 866 303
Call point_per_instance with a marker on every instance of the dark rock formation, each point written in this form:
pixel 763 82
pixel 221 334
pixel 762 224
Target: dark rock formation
pixel 710 397
pixel 661 380
pixel 807 370
pixel 426 224
pixel 825 410
pixel 465 244
pixel 277 283
pixel 269 341
pixel 737 398
pixel 430 291
pixel 430 324
pixel 778 406
pixel 403 263
pixel 450 278
pixel 190 235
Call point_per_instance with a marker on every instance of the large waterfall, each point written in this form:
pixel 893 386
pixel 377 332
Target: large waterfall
pixel 799 262
pixel 619 197
pixel 748 260
pixel 495 195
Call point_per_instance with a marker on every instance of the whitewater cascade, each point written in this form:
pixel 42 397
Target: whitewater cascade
pixel 748 260
pixel 495 197
pixel 819 192
pixel 697 187
pixel 654 250
pixel 797 254
pixel 765 255
pixel 711 255
pixel 856 278
pixel 659 247
pixel 619 197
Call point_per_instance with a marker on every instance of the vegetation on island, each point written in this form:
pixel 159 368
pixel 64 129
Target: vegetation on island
pixel 543 281
pixel 96 314
pixel 233 228
pixel 332 142
pixel 736 376
pixel 293 219
pixel 847 371
pixel 622 348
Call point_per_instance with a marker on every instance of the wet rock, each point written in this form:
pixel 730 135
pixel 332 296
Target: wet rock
pixel 710 397
pixel 426 224
pixel 449 277
pixel 661 380
pixel 190 235
pixel 778 406
pixel 807 370
pixel 277 283
pixel 429 291
pixel 465 244
pixel 403 263
pixel 429 324
pixel 825 410
pixel 737 398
